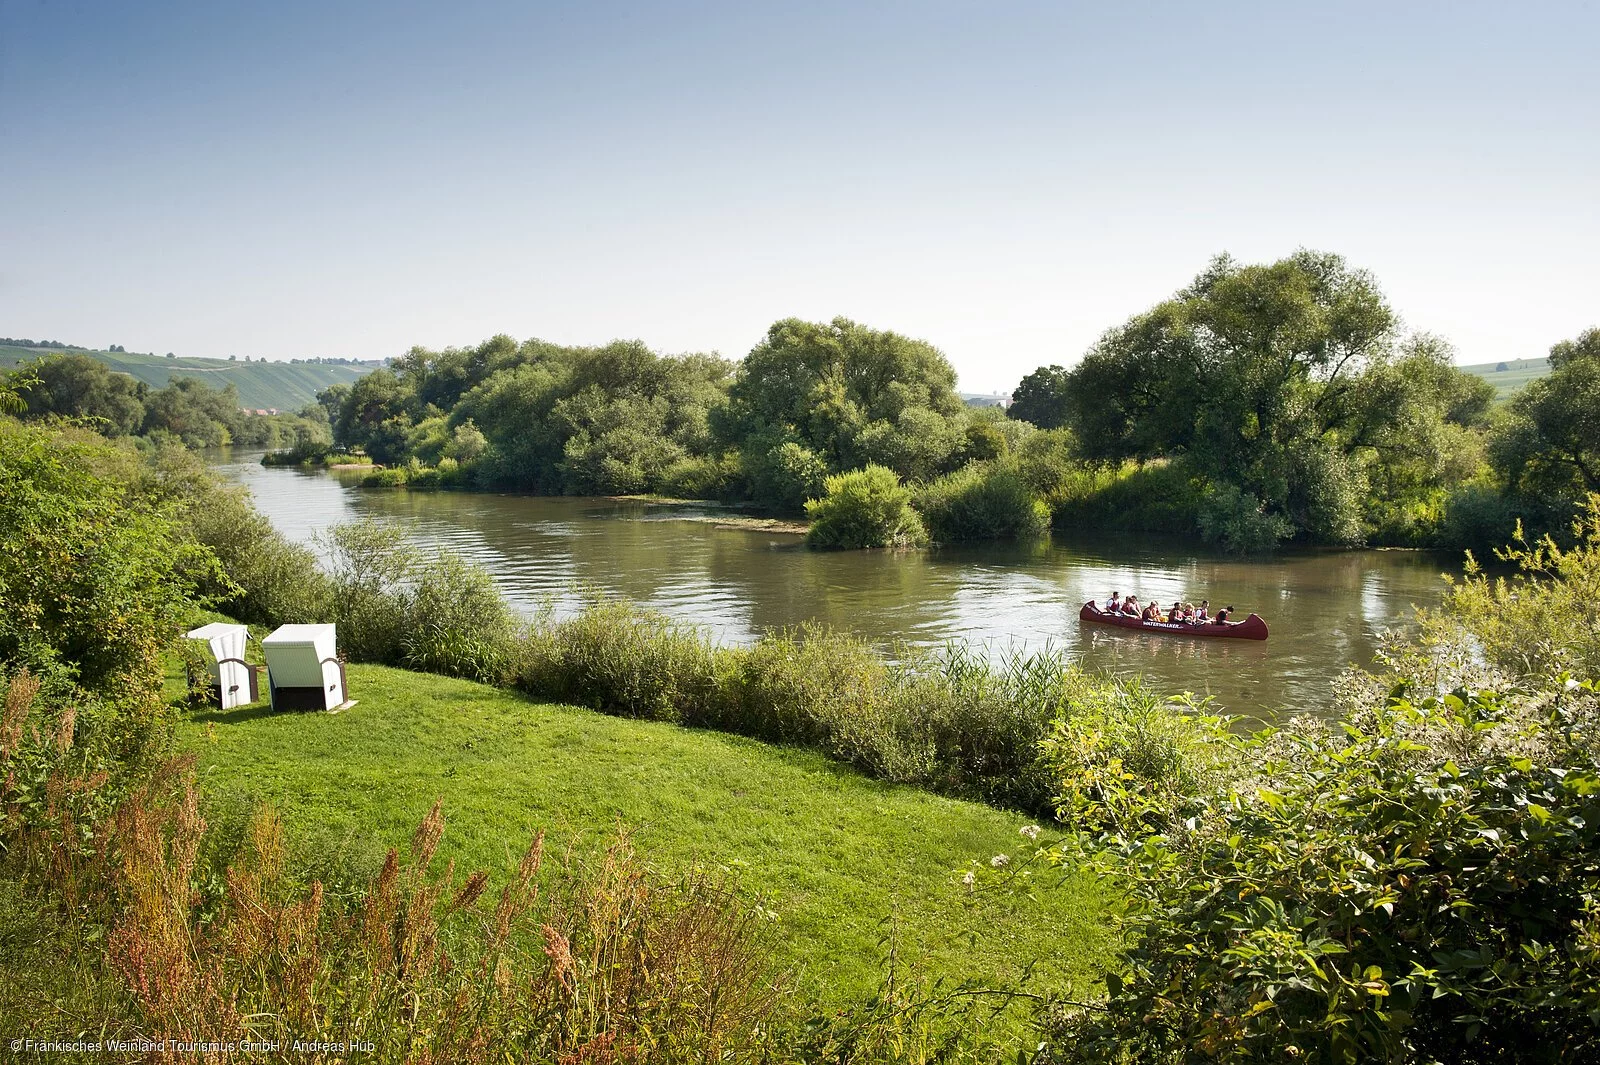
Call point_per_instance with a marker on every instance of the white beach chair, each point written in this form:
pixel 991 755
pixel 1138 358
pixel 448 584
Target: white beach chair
pixel 234 681
pixel 303 668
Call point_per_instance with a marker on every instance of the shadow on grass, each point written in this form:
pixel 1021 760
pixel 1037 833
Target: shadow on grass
pixel 238 715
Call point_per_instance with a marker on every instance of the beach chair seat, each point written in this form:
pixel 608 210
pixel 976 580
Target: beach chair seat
pixel 234 682
pixel 303 668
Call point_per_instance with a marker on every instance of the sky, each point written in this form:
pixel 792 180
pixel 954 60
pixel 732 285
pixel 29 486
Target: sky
pixel 1005 180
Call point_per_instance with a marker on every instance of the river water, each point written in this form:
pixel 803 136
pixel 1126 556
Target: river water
pixel 1325 609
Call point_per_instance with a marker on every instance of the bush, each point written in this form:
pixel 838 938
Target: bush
pixel 94 576
pixel 1159 497
pixel 388 477
pixel 614 657
pixel 981 502
pixel 1544 619
pixel 951 722
pixel 1127 760
pixel 456 622
pixel 1477 517
pixel 697 477
pixel 1368 898
pixel 785 475
pixel 1238 521
pixel 864 508
pixel 1415 883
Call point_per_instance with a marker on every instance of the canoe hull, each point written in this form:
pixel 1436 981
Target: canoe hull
pixel 1251 628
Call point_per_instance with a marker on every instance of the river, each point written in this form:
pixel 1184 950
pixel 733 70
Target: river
pixel 1325 609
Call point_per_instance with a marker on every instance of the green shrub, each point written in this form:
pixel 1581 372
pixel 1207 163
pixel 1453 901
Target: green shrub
pixel 1545 618
pixel 700 477
pixel 1477 517
pixel 951 722
pixel 1365 897
pixel 1127 760
pixel 1159 497
pixel 982 502
pixel 371 568
pixel 1416 882
pixel 457 623
pixel 1238 521
pixel 95 575
pixel 388 477
pixel 864 508
pixel 614 657
pixel 785 475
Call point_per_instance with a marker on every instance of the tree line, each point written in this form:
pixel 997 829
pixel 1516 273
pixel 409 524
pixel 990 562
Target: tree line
pixel 85 390
pixel 1262 404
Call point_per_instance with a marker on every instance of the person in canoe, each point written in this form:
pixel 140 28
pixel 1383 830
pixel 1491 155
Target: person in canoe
pixel 1222 616
pixel 1130 605
pixel 1202 613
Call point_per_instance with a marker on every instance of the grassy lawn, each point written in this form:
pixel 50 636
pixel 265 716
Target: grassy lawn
pixel 831 852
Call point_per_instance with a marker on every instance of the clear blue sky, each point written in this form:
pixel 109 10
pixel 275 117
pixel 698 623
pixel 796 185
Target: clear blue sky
pixel 1005 180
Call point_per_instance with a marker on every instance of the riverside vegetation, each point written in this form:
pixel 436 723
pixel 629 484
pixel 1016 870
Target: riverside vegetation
pixel 1262 404
pixel 1415 878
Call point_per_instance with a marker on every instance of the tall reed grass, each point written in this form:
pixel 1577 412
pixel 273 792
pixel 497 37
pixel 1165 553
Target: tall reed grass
pixel 600 961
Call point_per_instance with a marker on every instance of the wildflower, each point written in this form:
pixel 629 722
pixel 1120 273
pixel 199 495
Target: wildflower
pixel 1031 832
pixel 970 879
pixel 1000 861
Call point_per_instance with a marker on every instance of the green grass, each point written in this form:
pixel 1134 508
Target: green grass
pixel 831 852
pixel 1517 372
pixel 284 385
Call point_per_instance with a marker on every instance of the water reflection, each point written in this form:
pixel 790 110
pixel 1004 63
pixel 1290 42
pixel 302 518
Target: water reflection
pixel 1325 609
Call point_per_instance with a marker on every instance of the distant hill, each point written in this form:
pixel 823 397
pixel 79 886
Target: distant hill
pixel 284 385
pixel 1509 376
pixel 980 399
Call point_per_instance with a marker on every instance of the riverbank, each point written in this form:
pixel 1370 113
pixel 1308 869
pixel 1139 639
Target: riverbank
pixel 1326 609
pixel 848 867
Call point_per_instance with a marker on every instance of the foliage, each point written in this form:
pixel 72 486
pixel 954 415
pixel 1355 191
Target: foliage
pixel 1545 618
pixel 978 502
pixel 1129 761
pixel 1162 497
pixel 1367 899
pixel 1547 449
pixel 79 387
pixel 1041 398
pixel 1416 882
pixel 1287 382
pixel 852 395
pixel 951 722
pixel 1238 521
pixel 93 576
pixel 864 508
pixel 785 475
pixel 394 604
pixel 84 390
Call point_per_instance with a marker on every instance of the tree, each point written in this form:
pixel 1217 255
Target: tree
pixel 1257 376
pixel 78 386
pixel 864 508
pixel 1041 398
pixel 1549 445
pixel 851 395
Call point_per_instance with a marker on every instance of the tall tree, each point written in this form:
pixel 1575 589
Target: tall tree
pixel 77 386
pixel 849 394
pixel 1258 376
pixel 1041 398
pixel 1549 445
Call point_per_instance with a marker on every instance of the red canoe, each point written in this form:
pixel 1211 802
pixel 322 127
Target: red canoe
pixel 1251 628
